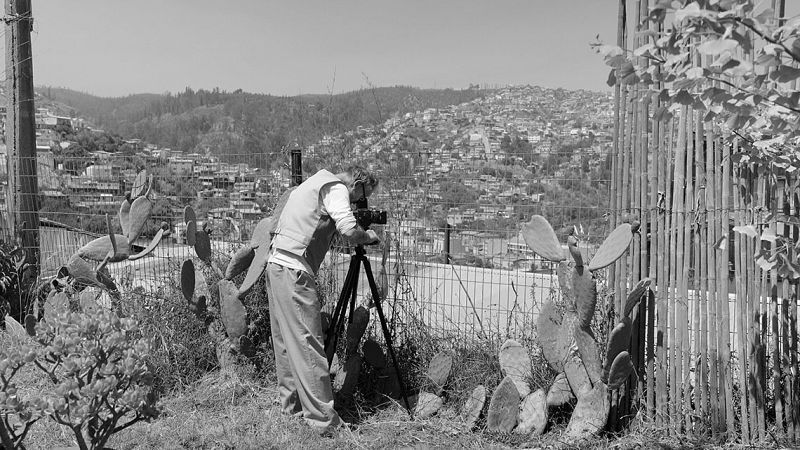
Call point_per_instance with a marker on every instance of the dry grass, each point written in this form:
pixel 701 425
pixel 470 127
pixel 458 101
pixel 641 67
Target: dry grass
pixel 224 410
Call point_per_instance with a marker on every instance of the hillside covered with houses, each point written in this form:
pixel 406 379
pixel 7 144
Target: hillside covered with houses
pixel 472 172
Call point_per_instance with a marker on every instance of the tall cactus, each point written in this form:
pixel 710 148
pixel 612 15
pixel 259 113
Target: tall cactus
pixel 566 338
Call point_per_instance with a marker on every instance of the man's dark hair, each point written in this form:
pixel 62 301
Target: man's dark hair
pixel 359 173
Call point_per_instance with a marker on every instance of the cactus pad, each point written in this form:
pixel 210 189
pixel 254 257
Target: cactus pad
pixel 427 404
pixel 246 346
pixel 636 295
pixel 504 407
pixel 533 414
pixel 125 216
pixel 30 325
pixel 373 354
pixel 234 316
pixel 191 233
pixel 152 245
pixel 589 352
pixel 590 414
pixel 577 376
pixel 139 185
pixel 387 384
pixel 439 369
pixel 141 208
pixel 541 238
pixel 82 271
pixel 262 232
pixel 255 270
pixel 621 368
pixel 572 244
pixel 560 393
pixel 612 248
pixel 472 408
pixel 356 329
pixel 584 289
pixel 239 262
pixel 618 341
pixel 187 280
pixel 202 246
pixel 347 377
pixel 100 248
pixel 14 328
pixel 197 304
pixel 548 330
pixel 189 215
pixel 564 273
pixel 515 363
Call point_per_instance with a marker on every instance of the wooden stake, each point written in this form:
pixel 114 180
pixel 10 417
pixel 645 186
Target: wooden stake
pixel 741 310
pixel 23 199
pixel 724 344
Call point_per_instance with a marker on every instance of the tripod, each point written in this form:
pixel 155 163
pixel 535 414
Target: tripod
pixel 348 295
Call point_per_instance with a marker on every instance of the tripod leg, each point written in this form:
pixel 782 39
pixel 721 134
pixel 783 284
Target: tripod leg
pixel 337 319
pixel 386 334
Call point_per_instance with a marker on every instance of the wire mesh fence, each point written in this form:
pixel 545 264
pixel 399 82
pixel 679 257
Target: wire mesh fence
pixel 457 261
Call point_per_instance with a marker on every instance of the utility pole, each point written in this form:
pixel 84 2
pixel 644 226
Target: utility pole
pixel 22 199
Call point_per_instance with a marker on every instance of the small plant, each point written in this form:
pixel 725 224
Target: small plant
pixel 19 413
pixel 102 384
pixel 14 285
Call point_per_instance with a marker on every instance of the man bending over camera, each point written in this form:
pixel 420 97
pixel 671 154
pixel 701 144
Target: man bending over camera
pixel 314 211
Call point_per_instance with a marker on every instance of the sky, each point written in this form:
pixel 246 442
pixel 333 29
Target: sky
pixel 114 48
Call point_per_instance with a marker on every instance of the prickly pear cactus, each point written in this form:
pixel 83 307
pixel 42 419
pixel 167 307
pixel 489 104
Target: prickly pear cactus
pixel 559 393
pixel 427 404
pixel 533 414
pixel 356 330
pixel 549 332
pixel 541 238
pixel 612 248
pixel 472 408
pixel 373 354
pixel 504 407
pixel 567 341
pixel 618 341
pixel 590 414
pixel 620 369
pixel 439 370
pixel 346 380
pixel 515 363
pixel 234 316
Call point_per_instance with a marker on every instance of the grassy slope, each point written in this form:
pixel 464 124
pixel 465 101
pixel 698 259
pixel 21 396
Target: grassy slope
pixel 224 412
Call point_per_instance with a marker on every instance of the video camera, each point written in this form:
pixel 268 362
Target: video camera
pixel 366 216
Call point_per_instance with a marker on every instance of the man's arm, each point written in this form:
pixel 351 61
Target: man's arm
pixel 336 201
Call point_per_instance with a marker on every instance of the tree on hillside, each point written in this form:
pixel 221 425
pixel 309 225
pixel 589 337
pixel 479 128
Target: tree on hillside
pixel 738 62
pixel 708 61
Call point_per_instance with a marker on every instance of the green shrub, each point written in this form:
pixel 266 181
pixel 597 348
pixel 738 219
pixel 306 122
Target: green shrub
pixel 97 366
pixel 99 369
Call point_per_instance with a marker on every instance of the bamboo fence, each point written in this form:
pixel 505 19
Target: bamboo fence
pixel 715 346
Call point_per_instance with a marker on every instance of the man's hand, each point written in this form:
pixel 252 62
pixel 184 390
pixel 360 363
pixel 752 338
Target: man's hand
pixel 358 236
pixel 374 238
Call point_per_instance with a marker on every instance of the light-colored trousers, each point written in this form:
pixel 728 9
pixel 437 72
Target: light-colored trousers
pixel 304 383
